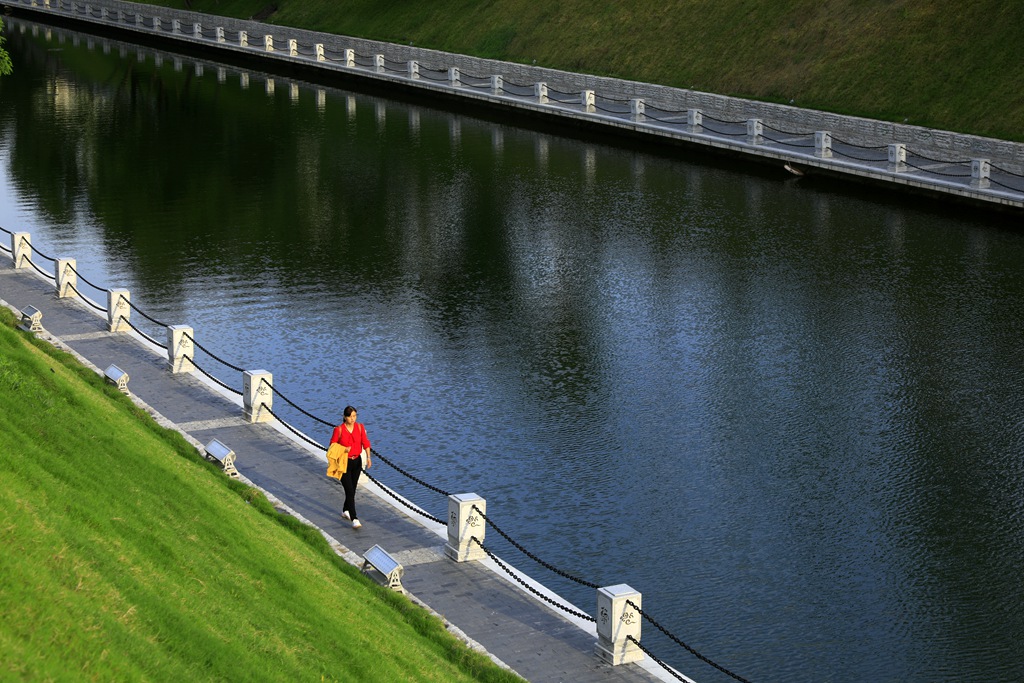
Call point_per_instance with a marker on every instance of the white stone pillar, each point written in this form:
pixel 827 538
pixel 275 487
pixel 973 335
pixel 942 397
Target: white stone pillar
pixel 21 249
pixel 497 85
pixel 587 99
pixel 898 158
pixel 118 310
pixel 156 23
pixel 243 39
pixel 268 43
pixel 219 32
pixel 454 77
pixel 319 49
pixel 823 144
pixel 695 120
pixel 64 273
pixel 414 69
pixel 378 63
pixel 180 349
pixel 138 19
pixel 540 90
pixel 616 621
pixel 349 58
pixel 465 523
pixel 197 30
pixel 980 170
pixel 754 130
pixel 293 47
pixel 637 109
pixel 175 25
pixel 256 393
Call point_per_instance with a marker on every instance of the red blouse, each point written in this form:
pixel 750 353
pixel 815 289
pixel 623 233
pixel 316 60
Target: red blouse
pixel 356 440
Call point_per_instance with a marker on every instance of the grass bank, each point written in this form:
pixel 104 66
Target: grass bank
pixel 128 557
pixel 953 66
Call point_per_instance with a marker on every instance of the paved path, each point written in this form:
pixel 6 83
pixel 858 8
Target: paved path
pixel 517 629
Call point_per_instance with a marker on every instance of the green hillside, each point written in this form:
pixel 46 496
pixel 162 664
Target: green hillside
pixel 954 66
pixel 128 557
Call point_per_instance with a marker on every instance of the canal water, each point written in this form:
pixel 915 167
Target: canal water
pixel 791 416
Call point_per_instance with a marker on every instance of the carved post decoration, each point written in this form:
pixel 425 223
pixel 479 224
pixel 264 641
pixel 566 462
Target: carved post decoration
pixel 465 523
pixel 617 620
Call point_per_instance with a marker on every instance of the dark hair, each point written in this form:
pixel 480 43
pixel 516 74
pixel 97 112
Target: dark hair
pixel 349 410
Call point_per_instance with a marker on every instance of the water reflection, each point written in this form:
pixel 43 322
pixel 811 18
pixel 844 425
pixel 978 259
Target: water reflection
pixel 789 417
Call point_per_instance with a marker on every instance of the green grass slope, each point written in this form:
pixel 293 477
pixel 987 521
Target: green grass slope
pixel 954 66
pixel 125 556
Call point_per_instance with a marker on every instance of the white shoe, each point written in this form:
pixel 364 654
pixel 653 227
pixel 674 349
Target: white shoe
pixel 356 524
pixel 346 515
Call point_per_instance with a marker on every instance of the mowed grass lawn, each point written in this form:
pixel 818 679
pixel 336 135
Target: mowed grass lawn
pixel 125 556
pixel 948 65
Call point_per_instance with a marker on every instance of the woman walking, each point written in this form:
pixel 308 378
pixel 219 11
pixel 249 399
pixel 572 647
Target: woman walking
pixel 353 435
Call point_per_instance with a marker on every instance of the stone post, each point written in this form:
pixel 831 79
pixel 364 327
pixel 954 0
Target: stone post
pixel 21 249
pixel 197 30
pixel 464 523
pixel 268 43
pixel 350 58
pixel 64 273
pixel 180 349
pixel 540 90
pixel 293 47
pixel 823 144
pixel 156 23
pixel 243 39
pixel 378 63
pixel 695 120
pixel 414 69
pixel 454 77
pixel 754 130
pixel 219 32
pixel 897 158
pixel 118 310
pixel 637 109
pixel 175 26
pixel 497 85
pixel 319 50
pixel 256 393
pixel 980 169
pixel 587 100
pixel 616 621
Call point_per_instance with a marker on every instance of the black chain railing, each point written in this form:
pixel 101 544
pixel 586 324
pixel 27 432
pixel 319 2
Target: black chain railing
pixel 519 580
pixel 685 646
pixel 402 501
pixel 533 557
pixel 213 378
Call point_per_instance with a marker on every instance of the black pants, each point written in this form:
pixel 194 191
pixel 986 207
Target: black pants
pixel 349 481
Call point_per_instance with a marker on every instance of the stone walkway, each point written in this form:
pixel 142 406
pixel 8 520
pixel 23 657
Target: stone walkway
pixel 480 602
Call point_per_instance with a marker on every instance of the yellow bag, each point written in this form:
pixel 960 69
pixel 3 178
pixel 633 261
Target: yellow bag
pixel 337 460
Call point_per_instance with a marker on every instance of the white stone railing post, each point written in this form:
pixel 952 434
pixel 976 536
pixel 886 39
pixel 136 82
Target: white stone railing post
pixel 21 249
pixel 497 85
pixel 65 276
pixel 378 63
pixel 180 349
pixel 118 310
pixel 540 91
pixel 754 130
pixel 219 33
pixel 587 100
pixel 695 120
pixel 175 26
pixel 268 43
pixel 349 57
pixel 823 144
pixel 617 620
pixel 980 170
pixel 139 19
pixel 319 50
pixel 197 30
pixel 465 521
pixel 243 39
pixel 256 393
pixel 637 107
pixel 293 47
pixel 156 23
pixel 897 158
pixel 454 77
pixel 414 69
